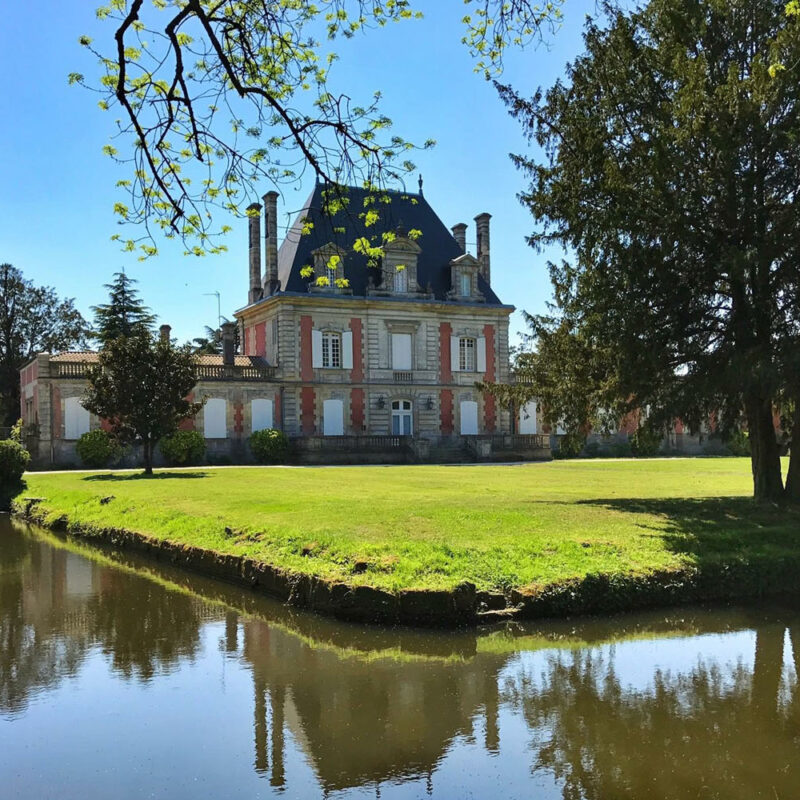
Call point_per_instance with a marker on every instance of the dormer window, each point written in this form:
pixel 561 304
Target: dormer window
pixel 466 284
pixel 328 269
pixel 401 279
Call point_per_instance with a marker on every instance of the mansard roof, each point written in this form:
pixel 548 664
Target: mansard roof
pixel 411 210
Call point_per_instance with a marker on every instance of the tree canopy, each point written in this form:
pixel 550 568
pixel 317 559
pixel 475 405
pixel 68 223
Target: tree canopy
pixel 33 319
pixel 217 96
pixel 671 169
pixel 141 386
pixel 124 315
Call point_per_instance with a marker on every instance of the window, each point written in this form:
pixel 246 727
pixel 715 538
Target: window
pixel 401 280
pixel 333 276
pixel 331 350
pixel 76 419
pixel 401 351
pixel 466 284
pixel 333 418
pixel 214 422
pixel 466 354
pixel 261 414
pixel 401 418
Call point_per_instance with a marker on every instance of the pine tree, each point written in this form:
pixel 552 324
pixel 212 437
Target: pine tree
pixel 124 315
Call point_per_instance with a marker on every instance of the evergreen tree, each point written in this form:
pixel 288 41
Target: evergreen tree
pixel 124 314
pixel 671 169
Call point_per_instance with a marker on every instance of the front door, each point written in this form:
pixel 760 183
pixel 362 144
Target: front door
pixel 401 418
pixel 469 418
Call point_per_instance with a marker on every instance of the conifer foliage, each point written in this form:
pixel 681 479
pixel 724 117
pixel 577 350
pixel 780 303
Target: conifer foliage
pixel 124 314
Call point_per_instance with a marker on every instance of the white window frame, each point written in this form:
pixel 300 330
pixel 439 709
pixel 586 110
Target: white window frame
pixel 401 280
pixel 467 354
pixel 331 350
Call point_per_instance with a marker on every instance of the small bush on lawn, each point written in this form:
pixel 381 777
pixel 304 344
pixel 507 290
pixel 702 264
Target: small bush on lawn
pixel 98 449
pixel 739 444
pixel 14 460
pixel 269 446
pixel 645 442
pixel 183 448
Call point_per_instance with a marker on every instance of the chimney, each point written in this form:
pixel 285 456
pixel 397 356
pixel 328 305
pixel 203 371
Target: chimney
pixel 271 282
pixel 460 235
pixel 482 225
pixel 164 332
pixel 228 343
pixel 254 225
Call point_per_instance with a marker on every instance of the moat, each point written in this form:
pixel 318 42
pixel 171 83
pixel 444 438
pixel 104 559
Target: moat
pixel 126 678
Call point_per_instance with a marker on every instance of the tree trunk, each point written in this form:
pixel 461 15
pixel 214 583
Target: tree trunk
pixel 765 456
pixel 148 457
pixel 792 491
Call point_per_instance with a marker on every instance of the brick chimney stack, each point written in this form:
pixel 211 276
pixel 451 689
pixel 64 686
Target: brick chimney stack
pixel 254 229
pixel 271 282
pixel 228 343
pixel 460 235
pixel 482 225
pixel 164 332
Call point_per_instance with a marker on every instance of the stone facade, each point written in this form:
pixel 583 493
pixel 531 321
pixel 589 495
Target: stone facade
pixel 374 362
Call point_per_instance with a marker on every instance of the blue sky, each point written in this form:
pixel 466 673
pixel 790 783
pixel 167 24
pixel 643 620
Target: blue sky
pixel 58 189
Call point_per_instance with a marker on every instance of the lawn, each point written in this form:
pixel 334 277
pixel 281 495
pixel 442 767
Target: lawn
pixel 435 526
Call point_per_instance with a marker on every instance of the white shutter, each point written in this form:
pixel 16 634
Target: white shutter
pixel 454 353
pixel 347 350
pixel 76 419
pixel 527 417
pixel 332 418
pixel 469 418
pixel 316 348
pixel 261 414
pixel 481 355
pixel 214 419
pixel 401 351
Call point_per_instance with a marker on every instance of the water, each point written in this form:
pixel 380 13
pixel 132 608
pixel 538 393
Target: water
pixel 122 678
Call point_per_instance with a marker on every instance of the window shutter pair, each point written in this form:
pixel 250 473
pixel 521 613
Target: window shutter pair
pixel 480 353
pixel 316 349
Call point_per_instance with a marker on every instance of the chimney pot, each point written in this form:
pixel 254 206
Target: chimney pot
pixel 271 282
pixel 460 235
pixel 482 225
pixel 164 332
pixel 254 235
pixel 228 343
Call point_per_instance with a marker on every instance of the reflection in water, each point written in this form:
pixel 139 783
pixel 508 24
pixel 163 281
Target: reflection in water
pixel 211 691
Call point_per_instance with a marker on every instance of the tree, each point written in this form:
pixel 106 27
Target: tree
pixel 216 96
pixel 32 320
pixel 140 385
pixel 124 314
pixel 671 172
pixel 211 343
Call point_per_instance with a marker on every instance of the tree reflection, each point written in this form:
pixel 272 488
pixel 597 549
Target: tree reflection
pixel 709 732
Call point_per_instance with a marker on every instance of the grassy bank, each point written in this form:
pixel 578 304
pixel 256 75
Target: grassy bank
pixel 499 527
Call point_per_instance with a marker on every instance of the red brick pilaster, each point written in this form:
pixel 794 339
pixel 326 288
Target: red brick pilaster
pixel 357 373
pixel 306 360
pixel 491 371
pixel 247 342
pixel 489 413
pixel 445 374
pixel 307 409
pixel 261 339
pixel 357 408
pixel 56 413
pixel 446 410
pixel 238 419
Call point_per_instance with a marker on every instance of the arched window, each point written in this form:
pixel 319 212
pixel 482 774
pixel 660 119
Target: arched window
pixel 402 418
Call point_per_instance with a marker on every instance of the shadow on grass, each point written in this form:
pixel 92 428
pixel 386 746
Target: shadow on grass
pixel 140 476
pixel 709 528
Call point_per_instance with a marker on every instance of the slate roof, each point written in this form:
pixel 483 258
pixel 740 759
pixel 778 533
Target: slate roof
pixel 411 209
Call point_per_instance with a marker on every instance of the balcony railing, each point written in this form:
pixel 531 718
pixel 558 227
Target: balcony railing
pixel 520 441
pixel 204 372
pixel 403 377
pixel 352 444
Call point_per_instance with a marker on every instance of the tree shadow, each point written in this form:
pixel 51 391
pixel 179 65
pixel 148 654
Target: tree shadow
pixel 710 529
pixel 140 476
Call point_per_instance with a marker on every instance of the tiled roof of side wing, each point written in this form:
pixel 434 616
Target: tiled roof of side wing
pixel 412 210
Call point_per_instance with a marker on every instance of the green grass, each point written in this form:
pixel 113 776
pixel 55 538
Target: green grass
pixel 433 527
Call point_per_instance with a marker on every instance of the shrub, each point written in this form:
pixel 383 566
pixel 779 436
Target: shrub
pixel 592 450
pixel 645 441
pixel 183 448
pixel 739 444
pixel 570 445
pixel 269 446
pixel 14 459
pixel 98 449
pixel 621 449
